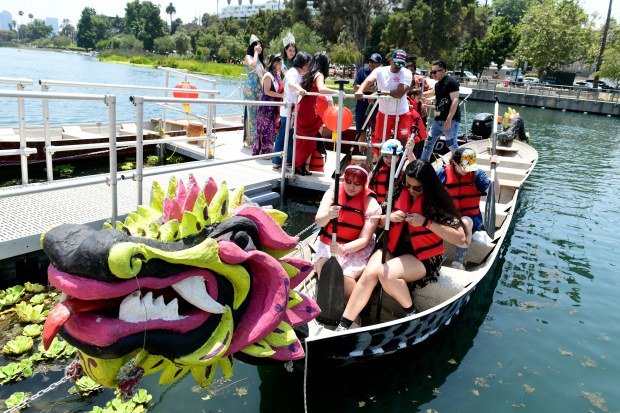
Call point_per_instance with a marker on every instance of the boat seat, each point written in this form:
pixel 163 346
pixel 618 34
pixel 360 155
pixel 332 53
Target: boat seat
pixel 478 251
pixel 509 183
pixel 507 149
pixel 506 173
pixel 505 161
pixel 129 129
pixel 76 132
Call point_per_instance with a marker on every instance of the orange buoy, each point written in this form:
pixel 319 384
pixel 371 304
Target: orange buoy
pixel 317 162
pixel 185 85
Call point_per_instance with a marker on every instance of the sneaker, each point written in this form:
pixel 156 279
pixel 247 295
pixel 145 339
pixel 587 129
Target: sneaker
pixel 277 167
pixel 412 312
pixel 458 265
pixel 340 328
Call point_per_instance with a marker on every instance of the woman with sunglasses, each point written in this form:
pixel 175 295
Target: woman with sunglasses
pixel 358 215
pixel 424 216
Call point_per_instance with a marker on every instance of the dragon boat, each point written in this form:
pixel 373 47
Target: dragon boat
pixel 439 303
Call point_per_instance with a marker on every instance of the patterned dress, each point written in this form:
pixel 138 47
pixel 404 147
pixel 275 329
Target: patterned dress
pixel 268 116
pixel 252 90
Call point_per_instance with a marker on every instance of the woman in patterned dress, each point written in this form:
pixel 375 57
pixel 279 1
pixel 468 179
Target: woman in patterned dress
pixel 252 89
pixel 273 87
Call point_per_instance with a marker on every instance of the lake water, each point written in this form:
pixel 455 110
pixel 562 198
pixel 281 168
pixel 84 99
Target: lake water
pixel 542 334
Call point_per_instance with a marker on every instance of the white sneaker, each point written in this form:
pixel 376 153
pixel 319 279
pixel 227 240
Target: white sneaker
pixel 458 265
pixel 481 237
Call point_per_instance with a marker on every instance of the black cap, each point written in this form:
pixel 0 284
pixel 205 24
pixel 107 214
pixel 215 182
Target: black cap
pixel 375 57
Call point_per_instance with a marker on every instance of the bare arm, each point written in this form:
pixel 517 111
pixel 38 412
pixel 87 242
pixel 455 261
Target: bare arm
pixel 454 236
pixel 397 93
pixel 359 93
pixel 320 85
pixel 252 61
pixel 454 98
pixel 267 87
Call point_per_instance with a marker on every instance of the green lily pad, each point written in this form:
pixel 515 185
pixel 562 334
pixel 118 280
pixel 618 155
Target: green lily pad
pixel 85 386
pixel 15 399
pixel 11 295
pixel 37 299
pixel 13 371
pixel 32 330
pixel 19 345
pixel 141 397
pixel 34 287
pixel 58 349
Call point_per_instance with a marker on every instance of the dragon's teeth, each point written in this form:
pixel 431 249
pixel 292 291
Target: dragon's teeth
pixel 171 311
pixel 159 303
pixel 194 291
pixel 136 310
pixel 131 309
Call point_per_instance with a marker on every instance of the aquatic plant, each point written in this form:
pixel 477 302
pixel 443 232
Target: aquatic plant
pixel 15 371
pixel 32 330
pixel 19 345
pixel 65 170
pixel 152 160
pixel 28 313
pixel 58 349
pixel 136 404
pixel 37 299
pixel 33 287
pixel 127 166
pixel 85 386
pixel 11 295
pixel 15 399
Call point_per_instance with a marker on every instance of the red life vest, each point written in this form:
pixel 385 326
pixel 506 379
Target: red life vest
pixel 463 191
pixel 425 243
pixel 380 183
pixel 351 218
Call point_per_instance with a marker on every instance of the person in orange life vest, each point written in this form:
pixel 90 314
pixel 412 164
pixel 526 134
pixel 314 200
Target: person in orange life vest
pixel 358 216
pixel 393 80
pixel 378 182
pixel 424 216
pixel 414 97
pixel 309 123
pixel 466 183
pixel 418 82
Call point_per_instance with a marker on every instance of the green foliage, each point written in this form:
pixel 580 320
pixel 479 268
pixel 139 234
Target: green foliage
pixel 554 33
pixel 19 345
pixel 182 43
pixel 144 22
pixel 59 349
pixel 31 313
pixel 86 36
pixel 15 399
pixel 64 171
pixel 127 166
pixel 163 45
pixel 152 160
pixel 61 42
pixel 37 299
pixel 610 69
pixel 137 404
pixel 85 386
pixel 37 29
pixel 32 330
pixel 500 40
pixel 345 53
pixel 513 10
pixel 33 287
pixel 476 56
pixel 15 371
pixel 11 295
pixel 307 39
pixel 267 25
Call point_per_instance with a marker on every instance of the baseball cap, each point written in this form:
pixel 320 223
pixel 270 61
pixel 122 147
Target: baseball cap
pixel 375 57
pixel 399 56
pixel 468 160
pixel 389 145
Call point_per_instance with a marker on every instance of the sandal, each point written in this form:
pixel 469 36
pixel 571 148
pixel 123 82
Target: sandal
pixel 302 171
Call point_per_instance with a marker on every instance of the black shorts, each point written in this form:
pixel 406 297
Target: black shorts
pixel 432 265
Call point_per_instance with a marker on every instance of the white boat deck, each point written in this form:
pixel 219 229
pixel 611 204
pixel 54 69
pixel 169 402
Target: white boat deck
pixel 24 217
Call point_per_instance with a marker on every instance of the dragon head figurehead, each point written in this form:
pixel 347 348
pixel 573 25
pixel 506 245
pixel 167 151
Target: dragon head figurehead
pixel 180 286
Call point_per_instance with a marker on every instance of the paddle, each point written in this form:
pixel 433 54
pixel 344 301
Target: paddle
pixel 386 231
pixel 489 211
pixel 402 160
pixel 330 289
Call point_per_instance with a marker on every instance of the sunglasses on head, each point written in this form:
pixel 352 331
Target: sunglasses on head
pixel 435 71
pixel 414 188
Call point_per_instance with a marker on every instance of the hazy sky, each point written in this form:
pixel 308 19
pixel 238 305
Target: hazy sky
pixel 186 9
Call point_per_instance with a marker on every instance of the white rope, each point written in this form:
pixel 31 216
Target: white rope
pixel 305 377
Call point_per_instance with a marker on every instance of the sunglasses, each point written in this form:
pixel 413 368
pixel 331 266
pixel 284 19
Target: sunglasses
pixel 435 71
pixel 414 188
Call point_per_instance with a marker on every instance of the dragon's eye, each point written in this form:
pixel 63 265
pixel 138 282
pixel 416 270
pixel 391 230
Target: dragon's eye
pixel 243 241
pixel 240 230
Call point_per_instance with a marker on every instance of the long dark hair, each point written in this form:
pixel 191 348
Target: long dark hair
pixel 285 54
pixel 301 59
pixel 250 52
pixel 438 204
pixel 320 64
pixel 272 61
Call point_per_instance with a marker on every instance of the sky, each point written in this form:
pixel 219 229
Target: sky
pixel 186 9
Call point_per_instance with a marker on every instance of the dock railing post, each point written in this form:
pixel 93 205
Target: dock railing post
pixel 22 136
pixel 165 110
pixel 139 102
pixel 285 151
pixel 110 100
pixel 340 83
pixel 46 133
pixel 210 121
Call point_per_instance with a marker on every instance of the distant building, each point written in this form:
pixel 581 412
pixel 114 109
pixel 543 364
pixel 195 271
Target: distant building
pixel 244 11
pixel 52 21
pixel 5 19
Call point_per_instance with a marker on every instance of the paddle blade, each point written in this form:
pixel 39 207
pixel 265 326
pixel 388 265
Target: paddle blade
pixel 489 212
pixel 330 293
pixel 344 162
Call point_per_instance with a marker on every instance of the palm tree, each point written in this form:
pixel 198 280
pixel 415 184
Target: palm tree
pixel 21 14
pixel 30 16
pixel 170 10
pixel 228 1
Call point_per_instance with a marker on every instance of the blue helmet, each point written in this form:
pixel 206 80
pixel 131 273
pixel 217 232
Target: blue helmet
pixel 389 145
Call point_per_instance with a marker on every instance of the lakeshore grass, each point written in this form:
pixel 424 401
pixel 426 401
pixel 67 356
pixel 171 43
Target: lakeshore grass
pixel 207 68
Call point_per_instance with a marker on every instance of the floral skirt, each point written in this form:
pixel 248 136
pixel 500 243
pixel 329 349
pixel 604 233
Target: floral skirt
pixel 352 264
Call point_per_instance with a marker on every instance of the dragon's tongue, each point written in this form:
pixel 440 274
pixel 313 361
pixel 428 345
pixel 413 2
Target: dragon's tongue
pixel 54 322
pixel 63 310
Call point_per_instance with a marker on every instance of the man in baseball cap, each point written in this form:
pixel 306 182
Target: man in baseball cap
pixel 399 57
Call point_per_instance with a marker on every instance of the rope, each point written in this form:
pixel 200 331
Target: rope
pixel 305 377
pixel 308 228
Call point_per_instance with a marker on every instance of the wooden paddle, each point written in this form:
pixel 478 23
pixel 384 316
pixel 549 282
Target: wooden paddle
pixel 330 289
pixel 489 211
pixel 386 231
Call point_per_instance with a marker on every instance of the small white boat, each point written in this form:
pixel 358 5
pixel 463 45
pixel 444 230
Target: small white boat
pixel 437 303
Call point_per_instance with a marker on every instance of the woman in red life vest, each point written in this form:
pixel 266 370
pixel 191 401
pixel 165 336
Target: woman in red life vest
pixel 358 216
pixel 414 96
pixel 424 216
pixel 466 183
pixel 309 123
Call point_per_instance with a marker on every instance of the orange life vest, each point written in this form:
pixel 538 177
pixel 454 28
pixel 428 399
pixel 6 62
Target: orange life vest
pixel 380 183
pixel 463 191
pixel 425 243
pixel 317 162
pixel 351 218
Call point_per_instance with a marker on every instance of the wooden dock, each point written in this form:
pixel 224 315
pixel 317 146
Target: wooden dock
pixel 24 217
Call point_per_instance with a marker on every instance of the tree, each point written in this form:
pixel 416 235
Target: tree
pixel 554 33
pixel 345 53
pixel 170 10
pixel 610 69
pixel 144 22
pixel 61 42
pixel 175 25
pixel 309 40
pixel 476 56
pixel 68 30
pixel 512 9
pixel 86 36
pixel 182 43
pixel 21 15
pixel 102 28
pixel 30 16
pixel 300 11
pixel 163 45
pixel 500 40
pixel 126 42
pixel 267 25
pixel 37 30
